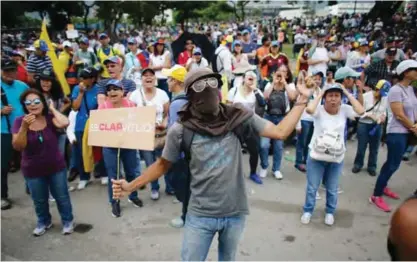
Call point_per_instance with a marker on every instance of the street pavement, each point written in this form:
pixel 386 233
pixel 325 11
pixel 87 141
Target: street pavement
pixel 273 229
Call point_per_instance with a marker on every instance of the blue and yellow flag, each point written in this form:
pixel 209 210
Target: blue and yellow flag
pixel 55 62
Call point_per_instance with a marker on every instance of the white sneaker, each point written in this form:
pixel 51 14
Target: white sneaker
pixel 340 190
pixel 82 184
pixel 154 194
pixel 329 219
pixel 263 173
pixel 41 229
pixel 278 175
pixel 305 218
pixel 318 197
pixel 104 180
pixel 177 222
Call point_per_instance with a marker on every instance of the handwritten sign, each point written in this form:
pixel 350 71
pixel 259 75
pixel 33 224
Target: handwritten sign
pixel 132 128
pixel 72 34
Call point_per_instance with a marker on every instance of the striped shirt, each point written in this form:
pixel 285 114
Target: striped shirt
pixel 37 64
pixel 128 85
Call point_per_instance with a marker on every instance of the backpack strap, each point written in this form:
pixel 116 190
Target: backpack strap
pixel 244 131
pixel 187 139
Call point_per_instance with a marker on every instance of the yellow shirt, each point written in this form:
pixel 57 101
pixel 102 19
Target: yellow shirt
pixel 64 59
pixel 102 57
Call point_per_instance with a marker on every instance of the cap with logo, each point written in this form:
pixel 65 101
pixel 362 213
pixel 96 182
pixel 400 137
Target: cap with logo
pixel 383 86
pixel 87 73
pixel 114 82
pixel 177 72
pixel 41 45
pixel 132 40
pixel 197 51
pixel 390 39
pixel 8 64
pixel 47 75
pixel 66 44
pixel 148 69
pixel 345 72
pixel 114 60
pixel 406 65
pixel 102 36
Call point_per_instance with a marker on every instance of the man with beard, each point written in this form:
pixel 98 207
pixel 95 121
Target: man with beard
pixel 206 133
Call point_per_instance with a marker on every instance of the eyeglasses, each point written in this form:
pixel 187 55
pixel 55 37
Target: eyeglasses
pixel 200 85
pixel 35 101
pixel 114 88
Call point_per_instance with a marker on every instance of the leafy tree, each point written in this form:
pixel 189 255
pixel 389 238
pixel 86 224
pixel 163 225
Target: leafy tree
pixel 216 11
pixel 185 10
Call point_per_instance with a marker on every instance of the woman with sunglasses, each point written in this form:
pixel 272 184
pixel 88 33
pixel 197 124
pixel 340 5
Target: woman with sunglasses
pixel 149 95
pixel 158 60
pixel 402 125
pixel 278 96
pixel 252 98
pixel 43 164
pixel 370 126
pixel 129 158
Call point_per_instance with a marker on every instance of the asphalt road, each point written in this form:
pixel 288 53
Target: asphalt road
pixel 273 229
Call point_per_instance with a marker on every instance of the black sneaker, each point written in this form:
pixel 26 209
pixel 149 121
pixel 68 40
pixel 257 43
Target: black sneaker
pixel 72 175
pixel 372 172
pixel 136 202
pixel 115 209
pixel 356 170
pixel 5 204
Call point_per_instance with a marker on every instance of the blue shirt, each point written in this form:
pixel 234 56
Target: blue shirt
pixel 248 48
pixel 13 93
pixel 174 107
pixel 90 101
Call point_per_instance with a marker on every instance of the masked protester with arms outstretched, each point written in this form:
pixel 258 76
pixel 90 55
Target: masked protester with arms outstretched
pixel 218 199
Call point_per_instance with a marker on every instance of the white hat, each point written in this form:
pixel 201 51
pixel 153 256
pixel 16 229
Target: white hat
pixel 67 44
pixel 31 48
pixel 405 65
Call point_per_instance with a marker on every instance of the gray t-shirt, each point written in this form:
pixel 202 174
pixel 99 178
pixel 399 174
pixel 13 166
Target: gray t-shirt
pixel 216 166
pixel 406 96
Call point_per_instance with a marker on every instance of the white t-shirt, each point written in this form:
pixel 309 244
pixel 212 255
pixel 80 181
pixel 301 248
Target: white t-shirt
pixel 248 101
pixel 306 116
pixel 324 121
pixel 298 39
pixel 378 110
pixel 319 54
pixel 158 100
pixel 159 60
pixel 203 63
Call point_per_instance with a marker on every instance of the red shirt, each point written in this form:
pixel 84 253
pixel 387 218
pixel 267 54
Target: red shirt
pixel 273 63
pixel 304 66
pixel 22 74
pixel 183 58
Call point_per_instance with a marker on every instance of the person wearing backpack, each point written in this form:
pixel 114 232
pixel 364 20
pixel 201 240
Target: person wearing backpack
pixel 11 89
pixel 84 57
pixel 210 135
pixel 105 52
pixel 327 147
pixel 222 59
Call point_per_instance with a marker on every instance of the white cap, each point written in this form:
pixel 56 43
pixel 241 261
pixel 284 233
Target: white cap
pixel 66 44
pixel 405 65
pixel 31 48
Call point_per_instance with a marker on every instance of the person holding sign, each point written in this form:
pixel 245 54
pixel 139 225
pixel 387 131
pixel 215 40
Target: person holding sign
pixel 36 135
pixel 113 156
pixel 209 134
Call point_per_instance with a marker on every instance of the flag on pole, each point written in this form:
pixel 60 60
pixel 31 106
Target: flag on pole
pixel 59 72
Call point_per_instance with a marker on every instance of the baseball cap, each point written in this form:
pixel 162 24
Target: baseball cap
pixel 102 36
pixel 47 74
pixel 84 40
pixel 363 42
pixel 405 65
pixel 390 39
pixel 345 72
pixel 113 59
pixel 148 70
pixel 274 43
pixel 114 82
pixel 318 73
pixel 8 65
pixel 383 86
pixel 244 32
pixel 132 40
pixel 41 45
pixel 177 72
pixel 66 44
pixel 87 73
pixel 160 41
pixel 391 51
pixel 30 48
pixel 333 87
pixel 197 51
pixel 18 53
pixel 229 39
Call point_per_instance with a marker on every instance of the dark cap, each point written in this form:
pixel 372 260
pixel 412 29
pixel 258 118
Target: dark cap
pixel 8 65
pixel 390 39
pixel 391 51
pixel 47 75
pixel 87 73
pixel 148 70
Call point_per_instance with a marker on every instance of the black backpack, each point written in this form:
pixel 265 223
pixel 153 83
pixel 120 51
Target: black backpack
pixel 214 62
pixel 182 178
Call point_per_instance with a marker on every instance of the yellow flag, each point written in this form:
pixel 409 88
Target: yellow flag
pixel 55 63
pixel 225 89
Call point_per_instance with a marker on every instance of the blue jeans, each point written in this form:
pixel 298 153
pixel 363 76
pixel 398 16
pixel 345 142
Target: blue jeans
pixel 316 172
pixel 278 146
pixel 364 138
pixel 79 157
pixel 396 144
pixel 39 188
pixel 130 164
pixel 150 157
pixel 199 233
pixel 303 140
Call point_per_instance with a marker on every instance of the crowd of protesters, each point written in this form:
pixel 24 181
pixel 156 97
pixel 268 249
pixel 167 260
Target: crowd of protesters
pixel 352 78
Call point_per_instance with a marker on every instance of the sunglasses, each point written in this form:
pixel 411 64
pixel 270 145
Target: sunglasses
pixel 114 88
pixel 200 85
pixel 35 101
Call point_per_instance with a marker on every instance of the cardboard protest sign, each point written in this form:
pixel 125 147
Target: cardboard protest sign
pixel 132 127
pixel 72 34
